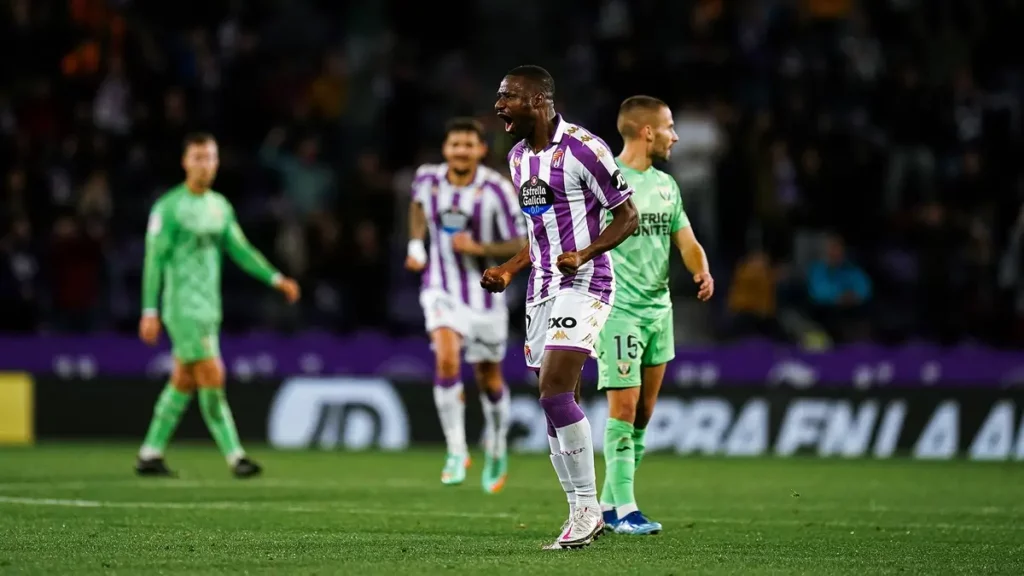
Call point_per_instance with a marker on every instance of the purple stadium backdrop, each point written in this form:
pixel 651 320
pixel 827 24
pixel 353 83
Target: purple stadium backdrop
pixel 747 363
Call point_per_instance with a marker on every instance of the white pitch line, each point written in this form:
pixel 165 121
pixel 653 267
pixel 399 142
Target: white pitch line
pixel 243 506
pixel 867 526
pixel 779 507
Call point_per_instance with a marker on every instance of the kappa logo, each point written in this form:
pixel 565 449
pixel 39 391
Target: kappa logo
pixel 560 335
pixel 572 129
pixel 517 160
pixel 556 158
pixel 593 322
pixel 597 305
pixel 624 369
pixel 588 339
pixel 599 153
pixel 585 138
pixel 665 192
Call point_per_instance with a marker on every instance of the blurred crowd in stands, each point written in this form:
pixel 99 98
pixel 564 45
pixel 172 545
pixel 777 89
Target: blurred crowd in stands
pixel 853 167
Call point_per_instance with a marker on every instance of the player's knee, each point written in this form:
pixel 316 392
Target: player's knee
pixel 622 404
pixel 488 376
pixel 208 374
pixel 561 372
pixel 447 365
pixel 182 380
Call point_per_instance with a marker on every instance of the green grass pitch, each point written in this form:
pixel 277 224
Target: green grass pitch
pixel 77 509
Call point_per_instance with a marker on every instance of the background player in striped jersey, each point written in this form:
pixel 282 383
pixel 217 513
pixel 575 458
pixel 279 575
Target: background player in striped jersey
pixel 567 181
pixel 637 341
pixel 471 214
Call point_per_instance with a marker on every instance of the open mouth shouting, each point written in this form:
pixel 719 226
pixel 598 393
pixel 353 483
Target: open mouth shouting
pixel 509 123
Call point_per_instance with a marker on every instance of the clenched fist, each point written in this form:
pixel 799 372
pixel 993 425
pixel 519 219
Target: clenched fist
pixel 569 262
pixel 495 279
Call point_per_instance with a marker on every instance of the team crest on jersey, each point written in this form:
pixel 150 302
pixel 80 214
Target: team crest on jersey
pixel 535 196
pixel 624 369
pixel 528 352
pixel 665 192
pixel 556 158
pixel 454 220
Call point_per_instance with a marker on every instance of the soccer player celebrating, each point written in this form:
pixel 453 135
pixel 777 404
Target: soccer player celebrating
pixel 468 210
pixel 637 341
pixel 567 180
pixel 189 227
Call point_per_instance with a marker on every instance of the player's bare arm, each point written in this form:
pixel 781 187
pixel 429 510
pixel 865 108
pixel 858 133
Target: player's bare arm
pixel 497 278
pixel 416 254
pixel 464 243
pixel 696 261
pixel 624 223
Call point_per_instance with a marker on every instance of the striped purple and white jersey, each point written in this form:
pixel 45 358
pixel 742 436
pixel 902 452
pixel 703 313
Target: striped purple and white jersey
pixel 565 190
pixel 486 208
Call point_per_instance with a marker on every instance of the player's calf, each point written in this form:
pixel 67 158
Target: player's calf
pixel 449 399
pixel 213 404
pixel 497 406
pixel 617 499
pixel 167 413
pixel 559 374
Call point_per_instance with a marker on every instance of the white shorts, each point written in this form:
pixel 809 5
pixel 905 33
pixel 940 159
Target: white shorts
pixel 569 321
pixel 484 334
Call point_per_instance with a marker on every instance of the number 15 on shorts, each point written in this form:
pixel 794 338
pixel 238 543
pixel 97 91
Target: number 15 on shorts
pixel 619 363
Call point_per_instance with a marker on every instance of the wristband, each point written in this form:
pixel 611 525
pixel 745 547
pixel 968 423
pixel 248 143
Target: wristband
pixel 417 251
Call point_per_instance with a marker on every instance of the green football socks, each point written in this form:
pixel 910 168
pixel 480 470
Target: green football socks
pixel 638 444
pixel 619 462
pixel 217 414
pixel 166 414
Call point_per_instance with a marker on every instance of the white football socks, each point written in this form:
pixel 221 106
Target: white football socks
pixel 577 447
pixel 451 411
pixel 558 462
pixel 497 420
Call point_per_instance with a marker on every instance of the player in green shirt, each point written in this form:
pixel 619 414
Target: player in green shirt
pixel 637 341
pixel 189 228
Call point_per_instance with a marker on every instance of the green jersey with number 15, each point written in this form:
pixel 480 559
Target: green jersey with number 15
pixel 641 262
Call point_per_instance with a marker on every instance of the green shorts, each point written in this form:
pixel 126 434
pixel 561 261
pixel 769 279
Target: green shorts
pixel 627 344
pixel 194 341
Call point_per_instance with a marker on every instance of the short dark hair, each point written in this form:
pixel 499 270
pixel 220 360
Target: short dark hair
pixel 464 124
pixel 640 103
pixel 198 138
pixel 539 77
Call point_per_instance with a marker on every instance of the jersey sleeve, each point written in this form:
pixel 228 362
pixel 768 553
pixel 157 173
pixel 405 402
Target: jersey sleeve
pixel 421 184
pixel 598 170
pixel 679 218
pixel 245 254
pixel 504 209
pixel 159 240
